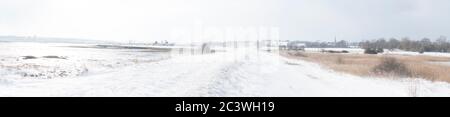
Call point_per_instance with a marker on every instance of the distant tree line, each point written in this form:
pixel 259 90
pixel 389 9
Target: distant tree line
pixel 424 45
pixel 338 44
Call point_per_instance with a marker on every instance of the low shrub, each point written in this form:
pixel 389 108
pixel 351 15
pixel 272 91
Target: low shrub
pixel 392 67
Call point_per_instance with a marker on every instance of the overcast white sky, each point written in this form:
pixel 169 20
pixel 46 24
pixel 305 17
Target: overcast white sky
pixel 149 20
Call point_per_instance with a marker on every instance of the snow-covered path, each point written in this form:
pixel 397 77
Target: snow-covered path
pixel 252 74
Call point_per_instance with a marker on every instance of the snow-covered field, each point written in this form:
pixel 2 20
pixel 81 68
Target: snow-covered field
pixel 400 52
pixel 46 61
pixel 240 72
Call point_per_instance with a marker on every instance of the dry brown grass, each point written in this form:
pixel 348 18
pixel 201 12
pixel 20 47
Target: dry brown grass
pixel 363 65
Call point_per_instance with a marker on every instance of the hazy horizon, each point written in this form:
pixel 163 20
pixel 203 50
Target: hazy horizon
pixel 147 21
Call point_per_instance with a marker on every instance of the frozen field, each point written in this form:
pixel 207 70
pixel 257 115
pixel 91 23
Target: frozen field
pixel 48 61
pixel 133 72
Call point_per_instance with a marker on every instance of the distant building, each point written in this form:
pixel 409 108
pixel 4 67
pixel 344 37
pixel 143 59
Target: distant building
pixel 283 45
pixel 296 46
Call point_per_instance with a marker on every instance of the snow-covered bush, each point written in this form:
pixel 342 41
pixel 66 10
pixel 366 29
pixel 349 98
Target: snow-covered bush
pixel 391 66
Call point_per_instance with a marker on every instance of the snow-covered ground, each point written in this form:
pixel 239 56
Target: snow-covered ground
pixel 238 72
pixel 401 52
pixel 45 61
